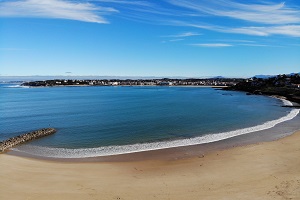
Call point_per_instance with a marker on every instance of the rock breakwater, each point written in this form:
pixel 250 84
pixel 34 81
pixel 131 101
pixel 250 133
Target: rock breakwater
pixel 11 142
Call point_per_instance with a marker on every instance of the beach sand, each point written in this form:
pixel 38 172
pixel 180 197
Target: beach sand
pixel 269 170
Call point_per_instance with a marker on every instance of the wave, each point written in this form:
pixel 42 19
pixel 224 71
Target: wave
pixel 125 149
pixel 284 101
pixel 16 86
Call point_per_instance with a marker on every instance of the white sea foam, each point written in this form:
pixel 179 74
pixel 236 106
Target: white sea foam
pixel 117 150
pixel 285 102
pixel 13 86
pixel 17 86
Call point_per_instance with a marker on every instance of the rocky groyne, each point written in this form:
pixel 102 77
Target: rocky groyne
pixel 11 142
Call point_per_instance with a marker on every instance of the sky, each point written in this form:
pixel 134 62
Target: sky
pixel 189 38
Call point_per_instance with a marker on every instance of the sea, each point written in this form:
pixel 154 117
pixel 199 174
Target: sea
pixel 111 120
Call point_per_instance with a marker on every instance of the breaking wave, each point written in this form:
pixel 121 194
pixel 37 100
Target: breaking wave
pixel 16 86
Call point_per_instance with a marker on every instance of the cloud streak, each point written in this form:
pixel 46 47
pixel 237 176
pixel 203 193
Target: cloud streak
pixel 264 13
pixel 263 18
pixel 287 30
pixel 183 35
pixel 186 34
pixel 212 45
pixel 57 9
pixel 136 3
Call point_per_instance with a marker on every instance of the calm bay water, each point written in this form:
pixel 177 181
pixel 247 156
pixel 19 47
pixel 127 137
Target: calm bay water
pixel 90 117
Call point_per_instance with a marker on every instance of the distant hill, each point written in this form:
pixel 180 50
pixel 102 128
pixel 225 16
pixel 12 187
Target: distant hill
pixel 294 73
pixel 270 76
pixel 263 76
pixel 218 77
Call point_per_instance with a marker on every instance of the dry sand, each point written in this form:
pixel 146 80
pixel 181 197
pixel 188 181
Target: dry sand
pixel 265 171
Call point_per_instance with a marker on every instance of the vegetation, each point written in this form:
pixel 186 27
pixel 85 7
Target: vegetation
pixel 281 85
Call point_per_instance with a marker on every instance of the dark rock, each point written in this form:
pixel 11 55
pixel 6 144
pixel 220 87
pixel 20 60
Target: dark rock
pixel 11 142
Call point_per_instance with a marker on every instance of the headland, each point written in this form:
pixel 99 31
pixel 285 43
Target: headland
pixel 287 86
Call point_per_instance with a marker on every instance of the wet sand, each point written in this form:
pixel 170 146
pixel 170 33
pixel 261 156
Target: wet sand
pixel 268 170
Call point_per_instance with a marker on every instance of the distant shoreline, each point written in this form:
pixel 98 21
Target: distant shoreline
pixel 139 82
pixel 204 86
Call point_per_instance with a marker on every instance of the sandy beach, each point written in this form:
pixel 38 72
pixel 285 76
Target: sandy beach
pixel 267 170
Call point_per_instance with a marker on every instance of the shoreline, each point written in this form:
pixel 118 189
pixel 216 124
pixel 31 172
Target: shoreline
pixel 178 145
pixel 259 165
pixel 174 148
pixel 279 131
pixel 267 170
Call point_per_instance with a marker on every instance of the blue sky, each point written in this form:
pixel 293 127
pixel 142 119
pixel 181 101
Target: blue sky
pixel 192 38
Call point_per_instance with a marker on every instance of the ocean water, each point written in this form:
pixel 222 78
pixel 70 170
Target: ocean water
pixel 95 121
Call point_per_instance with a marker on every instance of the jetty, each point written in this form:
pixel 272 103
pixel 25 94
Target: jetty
pixel 14 141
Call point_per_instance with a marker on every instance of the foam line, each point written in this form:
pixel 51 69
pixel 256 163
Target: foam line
pixel 16 86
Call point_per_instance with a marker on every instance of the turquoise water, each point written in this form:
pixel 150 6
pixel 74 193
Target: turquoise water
pixel 92 117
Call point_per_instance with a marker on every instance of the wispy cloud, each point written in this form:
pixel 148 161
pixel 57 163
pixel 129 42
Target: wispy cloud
pixel 288 30
pixel 255 45
pixel 183 35
pixel 264 18
pixel 179 37
pixel 212 45
pixel 266 13
pixel 237 41
pixel 176 40
pixel 137 3
pixel 248 43
pixel 59 9
pixel 173 40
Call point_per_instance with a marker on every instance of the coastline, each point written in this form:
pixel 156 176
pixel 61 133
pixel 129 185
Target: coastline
pixel 279 131
pixel 58 86
pixel 267 131
pixel 178 143
pixel 243 167
pixel 268 170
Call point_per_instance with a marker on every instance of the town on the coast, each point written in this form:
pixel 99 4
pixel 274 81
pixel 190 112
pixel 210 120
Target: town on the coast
pixel 285 85
pixel 136 82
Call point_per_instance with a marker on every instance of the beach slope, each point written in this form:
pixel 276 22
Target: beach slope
pixel 260 171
